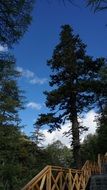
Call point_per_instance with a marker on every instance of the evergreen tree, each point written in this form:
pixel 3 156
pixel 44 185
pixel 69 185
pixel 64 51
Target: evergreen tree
pixel 10 95
pixel 15 16
pixel 10 103
pixel 73 73
pixel 38 137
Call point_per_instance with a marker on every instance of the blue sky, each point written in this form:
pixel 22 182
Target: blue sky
pixel 38 43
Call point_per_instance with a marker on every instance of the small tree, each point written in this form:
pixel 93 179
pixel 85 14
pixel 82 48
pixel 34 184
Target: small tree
pixel 38 137
pixel 73 73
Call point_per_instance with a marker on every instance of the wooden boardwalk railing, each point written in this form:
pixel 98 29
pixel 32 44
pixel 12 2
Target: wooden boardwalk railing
pixel 102 159
pixel 58 178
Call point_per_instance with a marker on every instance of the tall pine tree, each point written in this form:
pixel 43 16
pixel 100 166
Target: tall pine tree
pixel 73 73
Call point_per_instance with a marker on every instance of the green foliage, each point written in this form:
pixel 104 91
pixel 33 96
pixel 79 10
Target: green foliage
pixel 103 77
pixel 15 16
pixel 17 152
pixel 75 81
pixel 18 155
pixel 10 95
pixel 10 103
pixel 102 117
pixel 18 158
pixel 58 154
pixel 97 143
pixel 89 148
pixel 37 136
pixel 102 131
pixel 9 168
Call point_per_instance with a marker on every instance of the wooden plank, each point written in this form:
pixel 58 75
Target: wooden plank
pixel 69 180
pixel 42 182
pixel 60 182
pixel 48 180
pixel 55 182
pixel 37 187
pixel 36 178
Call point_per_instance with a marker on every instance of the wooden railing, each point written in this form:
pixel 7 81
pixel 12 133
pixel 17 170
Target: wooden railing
pixel 102 159
pixel 58 178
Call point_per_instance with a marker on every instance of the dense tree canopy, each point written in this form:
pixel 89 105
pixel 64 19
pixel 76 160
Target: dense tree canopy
pixel 90 148
pixel 15 16
pixel 20 158
pixel 58 154
pixel 10 103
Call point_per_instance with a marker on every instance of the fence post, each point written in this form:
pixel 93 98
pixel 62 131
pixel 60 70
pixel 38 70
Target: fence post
pixel 99 163
pixel 48 182
pixel 69 180
pixel 105 157
pixel 60 185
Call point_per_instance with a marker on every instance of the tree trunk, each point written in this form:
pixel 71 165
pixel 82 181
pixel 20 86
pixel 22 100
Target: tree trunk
pixel 75 135
pixel 76 142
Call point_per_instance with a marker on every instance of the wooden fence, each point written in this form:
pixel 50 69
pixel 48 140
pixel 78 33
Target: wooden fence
pixel 58 178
